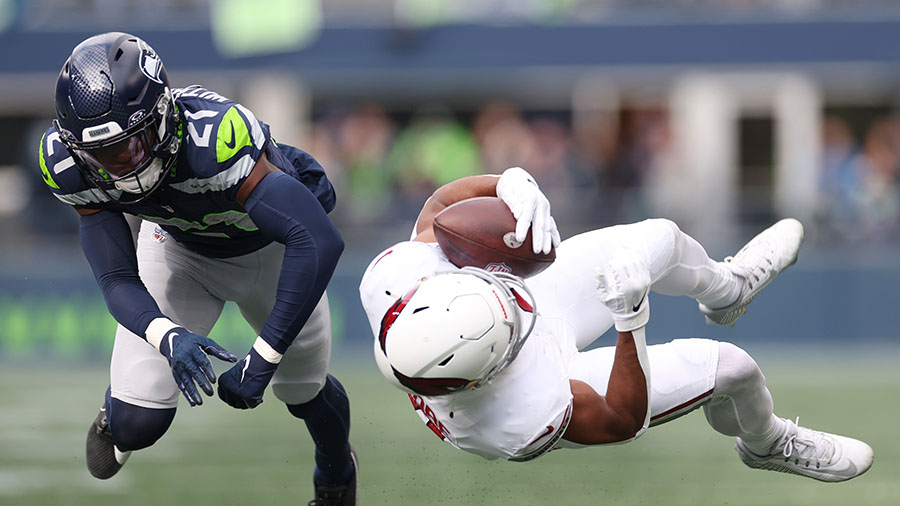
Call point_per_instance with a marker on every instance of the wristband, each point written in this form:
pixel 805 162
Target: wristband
pixel 157 330
pixel 267 352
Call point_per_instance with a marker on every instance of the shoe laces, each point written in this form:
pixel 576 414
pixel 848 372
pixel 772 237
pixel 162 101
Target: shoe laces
pixel 808 444
pixel 103 427
pixel 753 263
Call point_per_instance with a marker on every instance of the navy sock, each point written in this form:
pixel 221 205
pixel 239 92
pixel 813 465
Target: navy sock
pixel 135 427
pixel 327 418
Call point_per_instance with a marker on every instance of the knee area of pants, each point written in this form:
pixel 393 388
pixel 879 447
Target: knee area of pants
pixel 134 427
pixel 331 393
pixel 737 369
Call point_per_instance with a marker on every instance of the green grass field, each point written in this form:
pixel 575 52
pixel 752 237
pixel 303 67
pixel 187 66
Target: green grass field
pixel 216 455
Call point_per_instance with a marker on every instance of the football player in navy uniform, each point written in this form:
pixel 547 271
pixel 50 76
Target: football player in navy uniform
pixel 227 214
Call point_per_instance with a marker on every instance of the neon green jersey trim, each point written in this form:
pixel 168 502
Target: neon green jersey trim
pixel 231 136
pixel 48 179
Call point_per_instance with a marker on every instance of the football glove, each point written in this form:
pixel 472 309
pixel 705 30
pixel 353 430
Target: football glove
pixel 623 284
pixel 187 355
pixel 530 207
pixel 242 386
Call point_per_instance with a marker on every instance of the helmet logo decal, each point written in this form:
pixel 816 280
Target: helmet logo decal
pixel 392 313
pixel 98 132
pixel 136 118
pixel 150 63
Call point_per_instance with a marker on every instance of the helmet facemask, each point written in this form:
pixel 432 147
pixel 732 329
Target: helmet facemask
pixel 134 160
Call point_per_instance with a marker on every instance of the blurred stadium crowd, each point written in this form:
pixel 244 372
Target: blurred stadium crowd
pixel 598 169
pixel 720 114
pixel 599 165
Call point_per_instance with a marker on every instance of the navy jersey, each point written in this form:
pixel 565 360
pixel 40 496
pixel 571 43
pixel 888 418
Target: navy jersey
pixel 220 142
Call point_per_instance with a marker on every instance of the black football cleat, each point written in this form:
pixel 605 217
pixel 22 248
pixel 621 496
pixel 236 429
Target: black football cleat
pixel 339 496
pixel 102 457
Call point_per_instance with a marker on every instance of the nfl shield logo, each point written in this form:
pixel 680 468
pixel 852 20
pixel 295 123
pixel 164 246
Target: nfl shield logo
pixel 160 235
pixel 497 267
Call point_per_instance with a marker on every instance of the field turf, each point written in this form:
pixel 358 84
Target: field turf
pixel 218 456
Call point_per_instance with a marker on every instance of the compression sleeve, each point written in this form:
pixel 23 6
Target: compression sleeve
pixel 287 212
pixel 109 247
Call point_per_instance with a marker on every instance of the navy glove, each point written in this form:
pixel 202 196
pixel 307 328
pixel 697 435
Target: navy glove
pixel 243 385
pixel 187 355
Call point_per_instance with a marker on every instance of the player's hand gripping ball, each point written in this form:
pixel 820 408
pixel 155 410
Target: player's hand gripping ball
pixel 481 232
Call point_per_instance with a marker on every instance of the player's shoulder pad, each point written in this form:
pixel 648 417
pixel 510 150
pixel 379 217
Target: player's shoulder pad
pixel 220 135
pixel 62 176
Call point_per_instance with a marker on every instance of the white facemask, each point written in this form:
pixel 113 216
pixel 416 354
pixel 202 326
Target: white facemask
pixel 144 180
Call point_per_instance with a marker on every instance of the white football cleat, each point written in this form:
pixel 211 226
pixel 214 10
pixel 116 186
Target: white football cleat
pixel 757 263
pixel 818 455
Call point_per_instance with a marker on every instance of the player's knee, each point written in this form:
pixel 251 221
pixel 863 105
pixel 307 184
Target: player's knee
pixel 736 370
pixel 332 396
pixel 135 427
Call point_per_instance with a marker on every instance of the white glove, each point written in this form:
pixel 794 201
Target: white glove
pixel 530 207
pixel 623 284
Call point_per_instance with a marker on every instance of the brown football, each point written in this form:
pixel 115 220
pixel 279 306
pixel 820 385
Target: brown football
pixel 480 232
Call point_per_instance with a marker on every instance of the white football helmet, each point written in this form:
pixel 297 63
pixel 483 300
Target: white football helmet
pixel 454 331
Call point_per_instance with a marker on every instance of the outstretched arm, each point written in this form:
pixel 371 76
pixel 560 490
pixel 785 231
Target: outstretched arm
pixel 109 248
pixel 285 210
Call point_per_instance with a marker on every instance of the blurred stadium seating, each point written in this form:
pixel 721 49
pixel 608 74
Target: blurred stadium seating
pixel 720 115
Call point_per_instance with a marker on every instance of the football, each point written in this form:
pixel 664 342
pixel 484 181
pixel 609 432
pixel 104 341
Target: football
pixel 481 232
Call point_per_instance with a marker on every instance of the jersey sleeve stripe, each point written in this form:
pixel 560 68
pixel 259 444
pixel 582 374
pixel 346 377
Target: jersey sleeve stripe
pixel 221 181
pixel 259 138
pixel 85 197
pixel 46 173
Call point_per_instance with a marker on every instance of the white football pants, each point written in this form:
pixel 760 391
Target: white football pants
pixel 191 290
pixel 685 373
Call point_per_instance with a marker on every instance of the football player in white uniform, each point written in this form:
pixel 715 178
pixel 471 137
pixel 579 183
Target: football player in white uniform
pixel 492 362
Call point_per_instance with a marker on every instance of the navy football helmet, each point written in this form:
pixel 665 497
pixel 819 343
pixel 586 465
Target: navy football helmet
pixel 116 116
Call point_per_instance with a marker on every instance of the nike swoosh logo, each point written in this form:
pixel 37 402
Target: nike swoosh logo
pixel 230 145
pixel 244 371
pixel 638 306
pixel 542 436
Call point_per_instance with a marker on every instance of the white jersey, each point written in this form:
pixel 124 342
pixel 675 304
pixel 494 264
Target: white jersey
pixel 521 413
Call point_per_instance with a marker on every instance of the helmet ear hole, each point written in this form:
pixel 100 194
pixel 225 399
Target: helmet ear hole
pixel 446 361
pixel 119 54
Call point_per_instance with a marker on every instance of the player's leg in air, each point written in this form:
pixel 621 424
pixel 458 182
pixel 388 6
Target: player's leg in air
pixel 722 378
pixel 725 380
pixel 302 382
pixel 678 264
pixel 741 406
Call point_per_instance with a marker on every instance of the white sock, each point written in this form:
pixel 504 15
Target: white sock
pixel 764 444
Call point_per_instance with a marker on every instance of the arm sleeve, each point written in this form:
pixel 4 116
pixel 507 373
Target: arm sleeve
pixel 109 247
pixel 286 211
